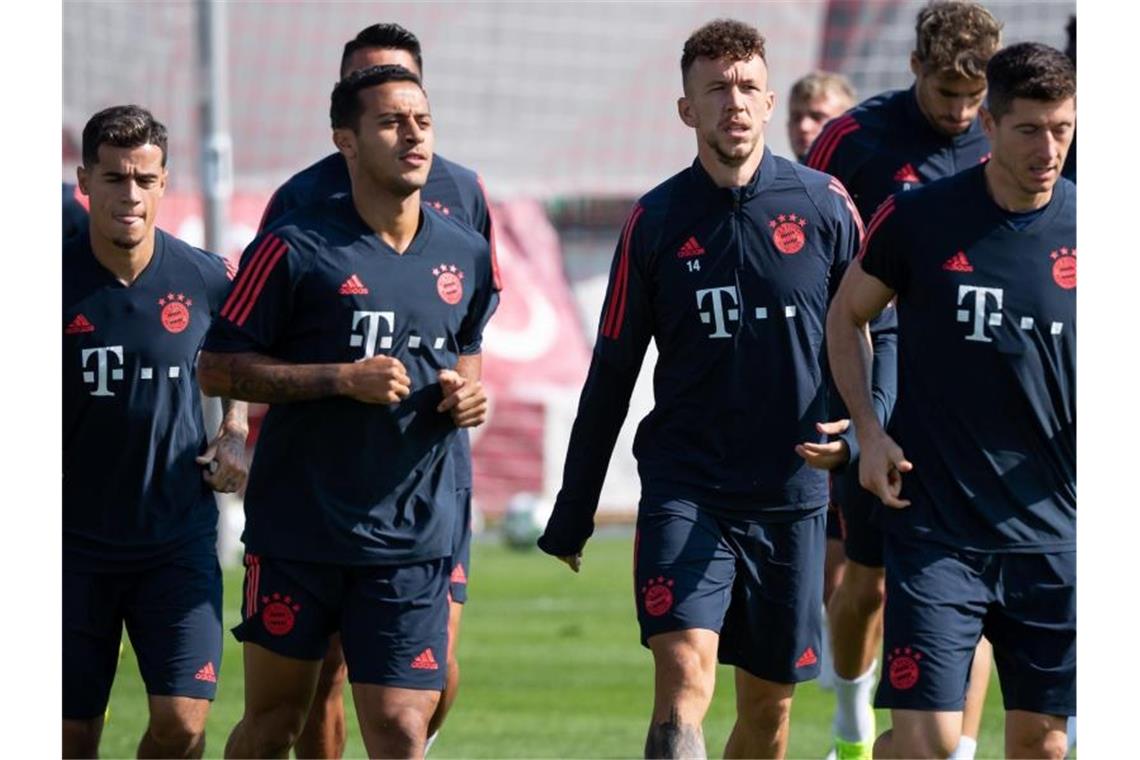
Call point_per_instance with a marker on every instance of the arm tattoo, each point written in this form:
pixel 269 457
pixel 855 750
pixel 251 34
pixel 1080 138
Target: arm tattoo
pixel 674 739
pixel 263 379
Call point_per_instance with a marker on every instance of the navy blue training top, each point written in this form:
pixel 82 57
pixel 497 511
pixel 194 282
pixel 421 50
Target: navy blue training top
pixel 333 479
pixel 882 146
pixel 132 414
pixel 453 190
pixel 733 286
pixel 987 364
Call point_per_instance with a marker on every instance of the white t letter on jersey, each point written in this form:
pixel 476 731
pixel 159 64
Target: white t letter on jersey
pixel 720 314
pixel 99 376
pixel 371 336
pixel 980 318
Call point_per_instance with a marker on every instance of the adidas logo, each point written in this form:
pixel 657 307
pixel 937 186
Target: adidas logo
pixel 458 575
pixel 206 673
pixel 958 263
pixel 807 658
pixel 690 249
pixel 353 287
pixel 907 174
pixel 79 325
pixel 425 661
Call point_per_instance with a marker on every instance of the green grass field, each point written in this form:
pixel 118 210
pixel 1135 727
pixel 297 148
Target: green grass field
pixel 551 667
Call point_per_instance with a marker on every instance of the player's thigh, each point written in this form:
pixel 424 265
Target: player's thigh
pixel 773 627
pixel 1033 630
pixel 278 689
pixel 174 617
pixel 936 599
pixel 461 550
pixel 862 534
pixel 290 608
pixel 92 631
pixel 683 568
pixel 394 625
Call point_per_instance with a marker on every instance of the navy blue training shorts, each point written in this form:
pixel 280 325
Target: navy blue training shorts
pixel 758 584
pixel 173 615
pixel 392 619
pixel 941 600
pixel 862 531
pixel 461 551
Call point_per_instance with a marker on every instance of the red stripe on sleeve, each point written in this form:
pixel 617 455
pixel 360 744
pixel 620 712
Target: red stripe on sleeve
pixel 829 152
pixel 837 187
pixel 625 280
pixel 244 275
pixel 829 135
pixel 616 309
pixel 496 281
pixel 876 221
pixel 278 252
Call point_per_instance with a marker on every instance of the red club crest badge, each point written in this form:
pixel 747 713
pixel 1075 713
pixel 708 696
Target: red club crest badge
pixel 788 233
pixel 279 614
pixel 657 595
pixel 448 283
pixel 902 668
pixel 175 313
pixel 1064 267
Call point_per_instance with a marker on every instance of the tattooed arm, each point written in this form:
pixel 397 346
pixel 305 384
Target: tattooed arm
pixel 257 377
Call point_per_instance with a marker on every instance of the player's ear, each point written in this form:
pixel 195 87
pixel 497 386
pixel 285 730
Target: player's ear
pixel 685 111
pixel 81 179
pixel 345 142
pixel 770 105
pixel 162 183
pixel 989 124
pixel 915 63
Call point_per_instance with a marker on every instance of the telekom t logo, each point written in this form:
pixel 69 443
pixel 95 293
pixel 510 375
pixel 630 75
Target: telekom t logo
pixel 725 308
pixel 980 317
pixel 98 376
pixel 370 337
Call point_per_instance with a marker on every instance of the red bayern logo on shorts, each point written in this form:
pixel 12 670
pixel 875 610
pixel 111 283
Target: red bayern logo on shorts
pixel 788 233
pixel 902 667
pixel 657 596
pixel 1064 267
pixel 279 614
pixel 448 283
pixel 175 312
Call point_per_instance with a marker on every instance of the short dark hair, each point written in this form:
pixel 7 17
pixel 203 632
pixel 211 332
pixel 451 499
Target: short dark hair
pixel 346 108
pixel 386 36
pixel 1028 70
pixel 958 37
pixel 722 38
pixel 122 127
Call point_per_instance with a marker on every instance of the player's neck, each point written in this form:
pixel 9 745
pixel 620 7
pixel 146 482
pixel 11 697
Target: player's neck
pixel 724 175
pixel 394 219
pixel 1004 191
pixel 125 263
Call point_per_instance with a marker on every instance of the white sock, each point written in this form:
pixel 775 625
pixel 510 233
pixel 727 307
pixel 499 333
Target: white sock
pixel 854 718
pixel 430 740
pixel 826 662
pixel 965 749
pixel 1071 731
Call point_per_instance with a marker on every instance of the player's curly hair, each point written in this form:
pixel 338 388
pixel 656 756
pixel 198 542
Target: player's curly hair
pixel 1028 70
pixel 958 37
pixel 345 108
pixel 722 38
pixel 127 126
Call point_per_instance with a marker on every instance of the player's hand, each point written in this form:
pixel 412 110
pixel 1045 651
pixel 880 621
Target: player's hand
pixel 826 456
pixel 463 398
pixel 223 462
pixel 881 467
pixel 573 561
pixel 378 380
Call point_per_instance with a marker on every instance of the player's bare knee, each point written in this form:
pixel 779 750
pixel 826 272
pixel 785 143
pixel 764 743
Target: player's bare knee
pixel 764 714
pixel 683 670
pixel 275 730
pixel 1041 738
